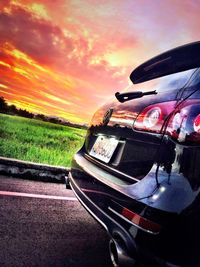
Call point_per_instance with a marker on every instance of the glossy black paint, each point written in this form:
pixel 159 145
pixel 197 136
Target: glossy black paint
pixel 153 174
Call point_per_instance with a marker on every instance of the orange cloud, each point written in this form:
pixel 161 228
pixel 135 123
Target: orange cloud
pixel 67 57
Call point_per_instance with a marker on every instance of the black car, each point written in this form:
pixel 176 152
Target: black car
pixel 138 172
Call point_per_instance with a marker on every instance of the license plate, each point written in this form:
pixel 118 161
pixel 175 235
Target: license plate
pixel 104 147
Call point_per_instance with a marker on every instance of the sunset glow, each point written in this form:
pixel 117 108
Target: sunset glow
pixel 66 57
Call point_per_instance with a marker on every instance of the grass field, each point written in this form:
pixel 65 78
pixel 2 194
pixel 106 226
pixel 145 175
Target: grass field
pixel 38 141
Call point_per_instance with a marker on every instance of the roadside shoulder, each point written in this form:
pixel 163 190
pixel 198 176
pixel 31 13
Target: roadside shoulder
pixel 33 171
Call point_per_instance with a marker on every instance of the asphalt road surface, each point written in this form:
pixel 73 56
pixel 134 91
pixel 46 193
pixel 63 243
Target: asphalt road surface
pixel 42 224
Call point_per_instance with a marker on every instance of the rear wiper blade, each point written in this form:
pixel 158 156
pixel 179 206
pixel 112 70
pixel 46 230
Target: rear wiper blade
pixel 123 97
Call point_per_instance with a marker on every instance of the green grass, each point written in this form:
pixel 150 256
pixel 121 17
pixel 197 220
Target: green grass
pixel 38 141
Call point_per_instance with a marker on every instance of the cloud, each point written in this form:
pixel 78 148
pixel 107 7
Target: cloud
pixel 49 45
pixel 68 57
pixel 37 37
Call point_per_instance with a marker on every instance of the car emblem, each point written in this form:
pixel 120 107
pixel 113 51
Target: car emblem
pixel 107 116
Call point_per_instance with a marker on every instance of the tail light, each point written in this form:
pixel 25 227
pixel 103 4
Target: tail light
pixel 141 222
pixel 196 124
pixel 152 118
pixel 184 124
pixel 183 121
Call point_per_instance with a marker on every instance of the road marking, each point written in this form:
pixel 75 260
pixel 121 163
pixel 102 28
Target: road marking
pixel 19 194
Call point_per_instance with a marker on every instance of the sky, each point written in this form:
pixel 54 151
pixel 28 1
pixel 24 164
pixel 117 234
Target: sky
pixel 65 58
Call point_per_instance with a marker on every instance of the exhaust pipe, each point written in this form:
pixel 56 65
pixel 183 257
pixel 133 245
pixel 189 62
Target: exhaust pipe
pixel 119 255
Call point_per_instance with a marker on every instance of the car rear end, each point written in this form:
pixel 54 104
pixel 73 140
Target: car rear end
pixel 138 172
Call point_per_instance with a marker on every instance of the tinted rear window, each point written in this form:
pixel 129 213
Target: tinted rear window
pixel 167 83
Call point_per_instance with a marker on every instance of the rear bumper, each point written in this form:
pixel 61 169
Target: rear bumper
pixel 97 198
pixel 113 228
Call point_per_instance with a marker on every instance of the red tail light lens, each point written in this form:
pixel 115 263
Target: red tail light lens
pixel 140 221
pixel 151 119
pixel 196 124
pixel 183 124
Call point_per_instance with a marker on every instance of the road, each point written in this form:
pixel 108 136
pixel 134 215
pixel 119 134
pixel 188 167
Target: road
pixel 42 224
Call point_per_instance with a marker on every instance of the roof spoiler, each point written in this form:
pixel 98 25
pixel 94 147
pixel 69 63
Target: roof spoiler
pixel 176 60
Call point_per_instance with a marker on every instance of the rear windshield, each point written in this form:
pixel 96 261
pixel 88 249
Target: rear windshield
pixel 168 83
